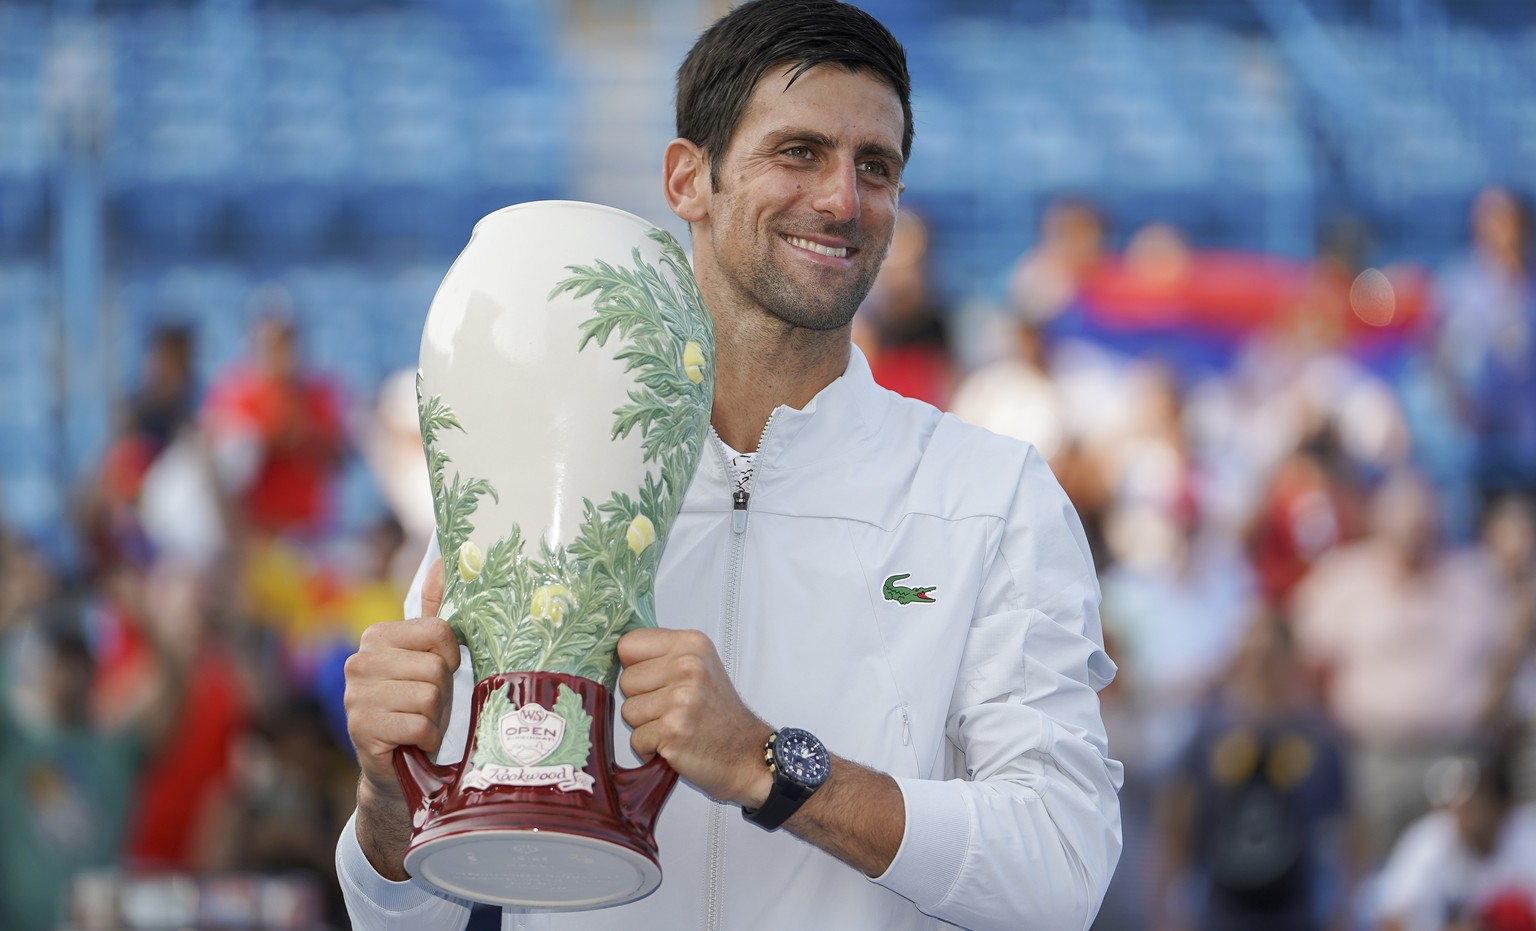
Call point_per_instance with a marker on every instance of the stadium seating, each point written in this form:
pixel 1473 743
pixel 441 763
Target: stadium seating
pixel 344 149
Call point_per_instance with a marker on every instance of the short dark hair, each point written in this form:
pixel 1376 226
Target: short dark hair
pixel 716 79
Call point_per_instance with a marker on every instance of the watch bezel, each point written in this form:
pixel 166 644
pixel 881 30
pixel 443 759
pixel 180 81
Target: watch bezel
pixel 805 773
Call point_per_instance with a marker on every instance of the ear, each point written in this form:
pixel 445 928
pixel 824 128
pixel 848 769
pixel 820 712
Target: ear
pixel 685 179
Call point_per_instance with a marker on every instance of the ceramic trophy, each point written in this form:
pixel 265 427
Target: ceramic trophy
pixel 564 389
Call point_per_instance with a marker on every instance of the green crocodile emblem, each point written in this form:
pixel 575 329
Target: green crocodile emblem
pixel 901 594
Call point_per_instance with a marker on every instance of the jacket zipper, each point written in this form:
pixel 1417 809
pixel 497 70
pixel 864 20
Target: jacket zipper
pixel 740 498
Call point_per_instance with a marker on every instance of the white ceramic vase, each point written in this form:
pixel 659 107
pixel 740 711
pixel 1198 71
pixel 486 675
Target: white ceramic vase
pixel 565 384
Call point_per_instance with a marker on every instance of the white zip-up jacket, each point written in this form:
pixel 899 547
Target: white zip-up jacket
pixel 982 705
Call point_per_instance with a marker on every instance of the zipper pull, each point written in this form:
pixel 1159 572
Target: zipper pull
pixel 739 512
pixel 906 727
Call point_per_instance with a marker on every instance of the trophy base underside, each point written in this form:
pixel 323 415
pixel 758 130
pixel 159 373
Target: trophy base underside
pixel 533 869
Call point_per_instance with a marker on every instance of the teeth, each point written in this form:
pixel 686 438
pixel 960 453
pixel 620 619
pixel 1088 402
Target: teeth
pixel 838 252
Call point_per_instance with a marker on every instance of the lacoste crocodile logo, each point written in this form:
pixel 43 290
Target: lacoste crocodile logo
pixel 901 594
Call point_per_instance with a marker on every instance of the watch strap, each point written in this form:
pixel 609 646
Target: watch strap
pixel 782 802
pixel 784 798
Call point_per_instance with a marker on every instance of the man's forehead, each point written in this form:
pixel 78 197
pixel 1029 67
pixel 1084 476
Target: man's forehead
pixel 785 75
pixel 787 94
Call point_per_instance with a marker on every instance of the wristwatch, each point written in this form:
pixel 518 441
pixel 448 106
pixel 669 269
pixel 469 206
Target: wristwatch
pixel 799 764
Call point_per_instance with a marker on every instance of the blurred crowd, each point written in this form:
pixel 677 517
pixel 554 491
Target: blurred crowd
pixel 1310 488
pixel 174 751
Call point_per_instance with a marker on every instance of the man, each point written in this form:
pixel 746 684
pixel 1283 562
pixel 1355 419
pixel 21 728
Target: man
pixel 1408 632
pixel 277 432
pixel 1470 864
pixel 914 592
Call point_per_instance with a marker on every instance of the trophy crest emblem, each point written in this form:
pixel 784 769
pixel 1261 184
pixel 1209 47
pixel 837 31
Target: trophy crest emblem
pixel 530 733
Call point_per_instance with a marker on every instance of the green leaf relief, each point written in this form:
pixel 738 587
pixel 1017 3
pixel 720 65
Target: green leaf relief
pixel 576 745
pixel 488 749
pixel 563 611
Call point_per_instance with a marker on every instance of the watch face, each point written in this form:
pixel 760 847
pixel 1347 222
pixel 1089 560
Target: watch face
pixel 801 757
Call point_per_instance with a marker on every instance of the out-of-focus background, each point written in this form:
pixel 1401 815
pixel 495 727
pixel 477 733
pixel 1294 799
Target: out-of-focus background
pixel 1255 275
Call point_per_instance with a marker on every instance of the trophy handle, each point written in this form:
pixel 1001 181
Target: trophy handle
pixel 423 780
pixel 643 790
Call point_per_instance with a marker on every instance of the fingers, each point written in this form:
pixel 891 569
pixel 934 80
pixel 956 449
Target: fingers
pixel 661 721
pixel 410 672
pixel 650 643
pixel 681 705
pixel 676 670
pixel 650 653
pixel 423 635
pixel 640 710
pixel 399 691
pixel 432 589
pixel 645 741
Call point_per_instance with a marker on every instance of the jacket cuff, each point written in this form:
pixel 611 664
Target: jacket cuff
pixel 358 877
pixel 933 844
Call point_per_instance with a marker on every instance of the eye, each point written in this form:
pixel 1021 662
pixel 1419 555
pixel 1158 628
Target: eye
pixel 798 151
pixel 875 167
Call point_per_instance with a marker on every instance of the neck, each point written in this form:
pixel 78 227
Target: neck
pixel 762 363
pixel 1510 260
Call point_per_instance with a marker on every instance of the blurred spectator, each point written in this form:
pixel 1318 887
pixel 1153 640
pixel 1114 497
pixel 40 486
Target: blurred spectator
pixel 1158 261
pixel 66 774
pixel 25 584
pixel 182 801
pixel 277 433
pixel 1014 395
pixel 1255 810
pixel 1046 280
pixel 109 514
pixel 1309 507
pixel 1296 383
pixel 1176 603
pixel 299 789
pixel 1509 538
pixel 1470 865
pixel 184 514
pixel 167 395
pixel 372 589
pixel 155 494
pixel 372 593
pixel 1487 312
pixel 1406 633
pixel 1175 594
pixel 1151 466
pixel 901 327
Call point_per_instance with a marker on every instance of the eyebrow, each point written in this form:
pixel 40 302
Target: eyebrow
pixel 877 149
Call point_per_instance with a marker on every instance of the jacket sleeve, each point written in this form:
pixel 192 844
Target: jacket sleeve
pixel 376 904
pixel 373 902
pixel 1027 834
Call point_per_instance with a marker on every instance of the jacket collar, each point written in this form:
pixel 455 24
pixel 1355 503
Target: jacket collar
pixel 835 421
pixel 833 425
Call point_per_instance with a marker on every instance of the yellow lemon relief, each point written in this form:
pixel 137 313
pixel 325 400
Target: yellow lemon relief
pixel 551 602
pixel 641 533
pixel 470 561
pixel 693 362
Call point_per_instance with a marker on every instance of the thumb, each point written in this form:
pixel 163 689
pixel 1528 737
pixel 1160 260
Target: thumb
pixel 432 589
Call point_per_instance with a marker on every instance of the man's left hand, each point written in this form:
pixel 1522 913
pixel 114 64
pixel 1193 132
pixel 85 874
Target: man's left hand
pixel 683 706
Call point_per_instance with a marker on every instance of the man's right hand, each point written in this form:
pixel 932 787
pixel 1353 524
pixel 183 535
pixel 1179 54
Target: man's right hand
pixel 399 692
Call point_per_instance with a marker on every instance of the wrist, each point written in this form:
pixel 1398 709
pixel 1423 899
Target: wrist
pixel 798 764
pixel 383 829
pixel 373 792
pixel 758 781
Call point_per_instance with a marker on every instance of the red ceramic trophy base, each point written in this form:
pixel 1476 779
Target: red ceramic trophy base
pixel 536 846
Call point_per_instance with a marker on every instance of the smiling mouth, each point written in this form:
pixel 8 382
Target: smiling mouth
pixel 836 252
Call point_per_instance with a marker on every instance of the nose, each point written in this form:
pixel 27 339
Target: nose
pixel 838 193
